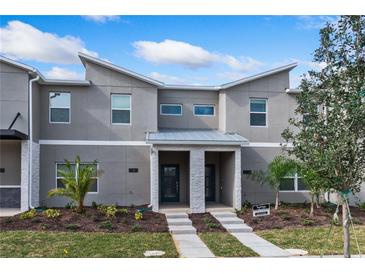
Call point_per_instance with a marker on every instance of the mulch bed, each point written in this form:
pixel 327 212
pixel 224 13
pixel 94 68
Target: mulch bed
pixel 204 222
pixel 297 216
pixel 93 220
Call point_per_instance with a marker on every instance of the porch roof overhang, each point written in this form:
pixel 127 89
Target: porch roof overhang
pixel 194 137
pixel 12 134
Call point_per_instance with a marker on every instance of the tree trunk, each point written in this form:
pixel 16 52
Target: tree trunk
pixel 277 200
pixel 318 204
pixel 346 231
pixel 312 206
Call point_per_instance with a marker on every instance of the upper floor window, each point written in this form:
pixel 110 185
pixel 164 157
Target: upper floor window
pixel 59 107
pixel 121 109
pixel 171 109
pixel 293 183
pixel 204 110
pixel 258 112
pixel 59 178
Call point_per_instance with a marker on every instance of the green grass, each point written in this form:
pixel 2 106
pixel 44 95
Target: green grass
pixel 314 239
pixel 223 244
pixel 83 245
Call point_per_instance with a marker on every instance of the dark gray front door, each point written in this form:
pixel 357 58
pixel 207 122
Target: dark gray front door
pixel 169 183
pixel 209 183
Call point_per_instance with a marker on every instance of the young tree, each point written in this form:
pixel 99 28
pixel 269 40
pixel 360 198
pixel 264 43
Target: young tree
pixel 277 170
pixel 331 139
pixel 77 180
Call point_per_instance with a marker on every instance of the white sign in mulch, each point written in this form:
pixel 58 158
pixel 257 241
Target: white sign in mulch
pixel 297 252
pixel 153 253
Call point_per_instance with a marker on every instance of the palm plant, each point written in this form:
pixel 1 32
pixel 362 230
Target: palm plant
pixel 277 170
pixel 76 180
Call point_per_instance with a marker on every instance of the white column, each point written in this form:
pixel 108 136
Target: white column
pixel 237 180
pixel 35 174
pixel 197 182
pixel 24 182
pixel 154 178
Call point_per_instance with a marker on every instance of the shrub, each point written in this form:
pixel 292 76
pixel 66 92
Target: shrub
pixel 362 206
pixel 138 215
pixel 111 211
pixel 28 214
pixel 72 226
pixel 135 227
pixel 308 222
pixel 106 225
pixel 44 226
pixel 69 205
pixel 52 213
pixel 123 210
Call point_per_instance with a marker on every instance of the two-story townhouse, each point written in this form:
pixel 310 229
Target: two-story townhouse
pixel 155 144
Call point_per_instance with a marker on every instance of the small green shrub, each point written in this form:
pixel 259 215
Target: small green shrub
pixel 44 226
pixel 362 206
pixel 212 225
pixel 123 210
pixel 111 211
pixel 138 215
pixel 72 226
pixel 307 222
pixel 135 227
pixel 28 214
pixel 106 225
pixel 52 213
pixel 69 205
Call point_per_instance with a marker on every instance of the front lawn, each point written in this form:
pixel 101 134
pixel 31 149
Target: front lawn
pixel 84 245
pixel 313 239
pixel 223 244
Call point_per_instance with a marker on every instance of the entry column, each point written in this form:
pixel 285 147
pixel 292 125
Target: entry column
pixel 197 187
pixel 154 178
pixel 237 180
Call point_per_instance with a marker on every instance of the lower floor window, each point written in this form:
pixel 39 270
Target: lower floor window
pixel 293 184
pixel 61 166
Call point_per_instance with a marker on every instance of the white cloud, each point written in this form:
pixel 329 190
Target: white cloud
pixel 62 73
pixel 19 40
pixel 315 22
pixel 101 18
pixel 169 79
pixel 189 56
pixel 230 75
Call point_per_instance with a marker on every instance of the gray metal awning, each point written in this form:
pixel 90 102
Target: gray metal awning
pixel 194 137
pixel 12 134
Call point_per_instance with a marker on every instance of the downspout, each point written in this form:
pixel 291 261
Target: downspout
pixel 30 148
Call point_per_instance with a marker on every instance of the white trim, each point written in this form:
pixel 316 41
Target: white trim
pixel 92 143
pixel 130 109
pixel 49 108
pixel 167 114
pixel 10 186
pixel 82 163
pixel 192 142
pixel 259 112
pixel 263 144
pixel 204 105
pixel 295 177
pixel 18 64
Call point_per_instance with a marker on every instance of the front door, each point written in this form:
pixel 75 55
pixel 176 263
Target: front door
pixel 210 183
pixel 169 183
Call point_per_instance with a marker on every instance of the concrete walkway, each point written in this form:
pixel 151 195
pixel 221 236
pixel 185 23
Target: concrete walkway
pixel 8 212
pixel 244 234
pixel 188 244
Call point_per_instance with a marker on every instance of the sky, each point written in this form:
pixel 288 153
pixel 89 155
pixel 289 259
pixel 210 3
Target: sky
pixel 198 50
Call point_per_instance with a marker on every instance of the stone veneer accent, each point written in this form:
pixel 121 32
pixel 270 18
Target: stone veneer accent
pixel 35 174
pixel 197 178
pixel 24 165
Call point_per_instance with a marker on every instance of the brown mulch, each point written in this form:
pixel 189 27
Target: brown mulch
pixel 297 216
pixel 92 220
pixel 204 222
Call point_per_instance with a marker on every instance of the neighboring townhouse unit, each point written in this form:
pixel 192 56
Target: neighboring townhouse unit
pixel 155 143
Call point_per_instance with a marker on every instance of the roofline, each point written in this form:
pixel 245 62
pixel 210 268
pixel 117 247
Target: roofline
pixel 197 142
pixel 18 64
pixel 109 65
pixel 58 82
pixel 191 87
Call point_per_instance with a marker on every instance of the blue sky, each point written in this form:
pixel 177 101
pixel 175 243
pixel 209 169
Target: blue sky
pixel 174 49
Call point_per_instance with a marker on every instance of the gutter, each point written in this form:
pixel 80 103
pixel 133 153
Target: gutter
pixel 30 107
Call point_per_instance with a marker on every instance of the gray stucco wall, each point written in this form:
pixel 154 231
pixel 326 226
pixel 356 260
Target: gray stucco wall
pixel 10 160
pixel 180 158
pixel 116 184
pixel 259 158
pixel 188 99
pixel 280 107
pixel 91 109
pixel 13 97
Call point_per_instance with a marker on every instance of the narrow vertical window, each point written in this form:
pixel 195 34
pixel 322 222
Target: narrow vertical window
pixel 121 109
pixel 59 107
pixel 258 112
